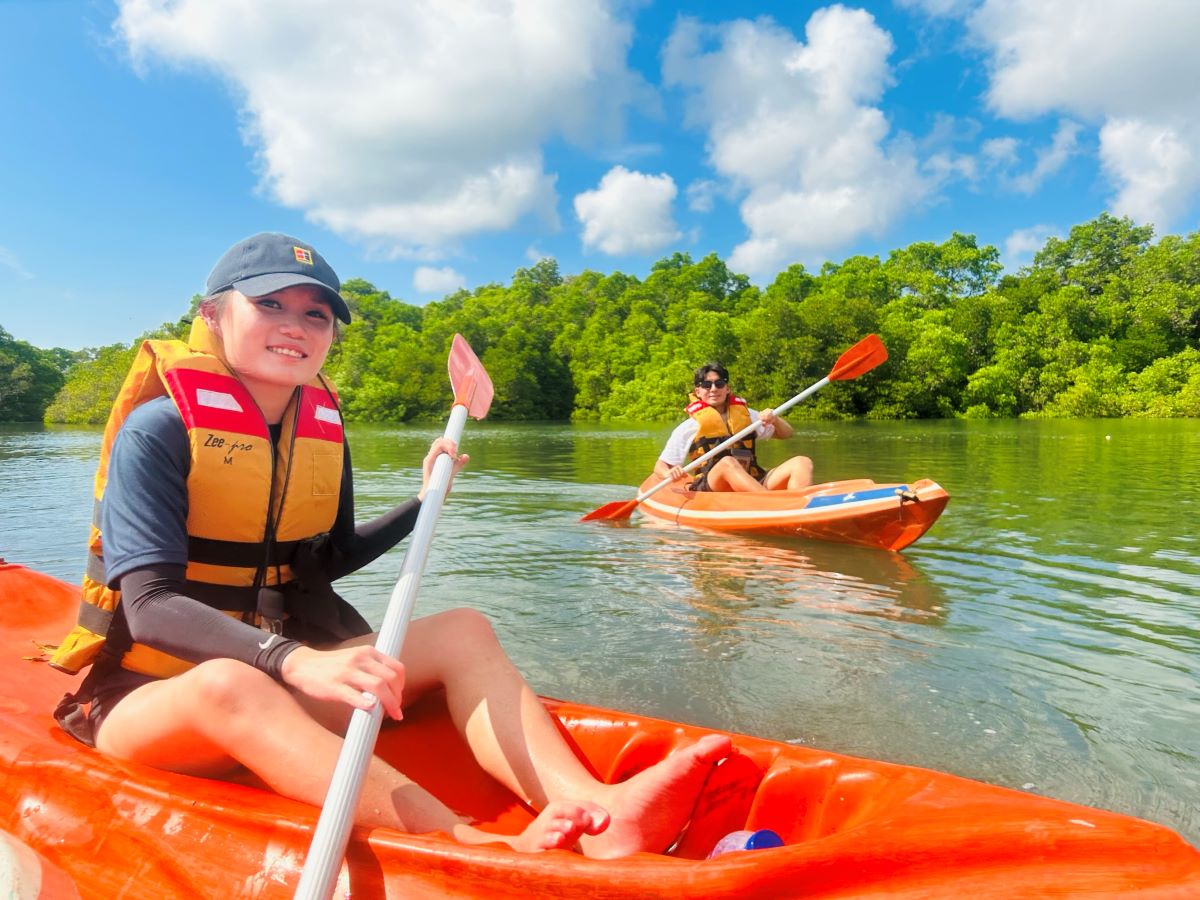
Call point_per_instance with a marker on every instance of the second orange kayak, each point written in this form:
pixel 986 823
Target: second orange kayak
pixel 859 511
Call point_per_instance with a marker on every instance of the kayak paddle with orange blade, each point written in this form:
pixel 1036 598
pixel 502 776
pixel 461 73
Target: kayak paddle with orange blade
pixel 472 397
pixel 858 360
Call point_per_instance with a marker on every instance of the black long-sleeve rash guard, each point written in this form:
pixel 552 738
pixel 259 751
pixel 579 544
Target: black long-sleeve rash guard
pixel 159 614
pixel 144 523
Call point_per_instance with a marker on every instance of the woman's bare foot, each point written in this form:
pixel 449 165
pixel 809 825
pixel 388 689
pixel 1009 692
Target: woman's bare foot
pixel 650 809
pixel 558 827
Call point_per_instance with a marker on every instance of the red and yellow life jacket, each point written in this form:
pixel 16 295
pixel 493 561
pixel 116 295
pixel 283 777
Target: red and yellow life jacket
pixel 249 502
pixel 714 429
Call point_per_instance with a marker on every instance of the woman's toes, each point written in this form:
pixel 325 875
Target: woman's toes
pixel 562 823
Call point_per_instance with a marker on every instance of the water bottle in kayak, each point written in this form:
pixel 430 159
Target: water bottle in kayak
pixel 746 840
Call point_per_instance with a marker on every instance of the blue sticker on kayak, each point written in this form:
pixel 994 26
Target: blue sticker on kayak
pixel 853 496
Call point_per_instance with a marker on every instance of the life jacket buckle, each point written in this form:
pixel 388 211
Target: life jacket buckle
pixel 271 610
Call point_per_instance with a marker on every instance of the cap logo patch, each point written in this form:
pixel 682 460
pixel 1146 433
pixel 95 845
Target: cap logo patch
pixel 303 256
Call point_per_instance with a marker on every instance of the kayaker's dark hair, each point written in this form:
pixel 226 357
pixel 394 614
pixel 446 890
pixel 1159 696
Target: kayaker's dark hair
pixel 713 366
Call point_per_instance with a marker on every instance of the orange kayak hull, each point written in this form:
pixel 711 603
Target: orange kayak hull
pixel 859 511
pixel 852 827
pixel 28 875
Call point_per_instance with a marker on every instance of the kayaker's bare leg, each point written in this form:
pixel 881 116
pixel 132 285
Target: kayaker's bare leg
pixel 729 475
pixel 222 715
pixel 516 741
pixel 650 809
pixel 211 718
pixel 793 475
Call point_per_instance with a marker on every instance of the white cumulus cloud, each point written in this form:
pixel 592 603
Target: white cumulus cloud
pixel 702 194
pixel 1051 159
pixel 796 128
pixel 408 125
pixel 1022 244
pixel 1048 160
pixel 628 212
pixel 1000 152
pixel 1128 66
pixel 1154 164
pixel 430 280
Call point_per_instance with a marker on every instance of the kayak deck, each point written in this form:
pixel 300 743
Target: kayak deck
pixel 857 511
pixel 852 827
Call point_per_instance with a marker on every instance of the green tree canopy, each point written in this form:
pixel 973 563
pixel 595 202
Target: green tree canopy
pixel 1103 323
pixel 29 378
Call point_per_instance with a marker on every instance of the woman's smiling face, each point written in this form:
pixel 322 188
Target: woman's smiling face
pixel 278 340
pixel 712 389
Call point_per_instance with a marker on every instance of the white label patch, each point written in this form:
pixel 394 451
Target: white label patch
pixel 217 400
pixel 327 414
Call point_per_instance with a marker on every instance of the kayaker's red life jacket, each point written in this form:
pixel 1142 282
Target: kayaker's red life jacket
pixel 714 429
pixel 250 504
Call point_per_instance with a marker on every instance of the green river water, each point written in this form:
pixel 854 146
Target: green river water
pixel 1045 635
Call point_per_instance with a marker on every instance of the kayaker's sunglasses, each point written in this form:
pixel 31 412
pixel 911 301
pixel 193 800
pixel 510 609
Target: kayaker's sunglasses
pixel 712 385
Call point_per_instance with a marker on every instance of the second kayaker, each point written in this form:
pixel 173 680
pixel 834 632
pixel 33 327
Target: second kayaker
pixel 714 415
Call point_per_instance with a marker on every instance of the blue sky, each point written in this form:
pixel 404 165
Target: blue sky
pixel 427 146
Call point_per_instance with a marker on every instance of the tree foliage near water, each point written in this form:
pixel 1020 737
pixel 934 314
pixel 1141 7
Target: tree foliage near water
pixel 92 384
pixel 29 378
pixel 1104 322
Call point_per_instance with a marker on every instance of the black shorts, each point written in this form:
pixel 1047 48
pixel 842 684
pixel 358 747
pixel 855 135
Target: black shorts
pixel 107 684
pixel 101 691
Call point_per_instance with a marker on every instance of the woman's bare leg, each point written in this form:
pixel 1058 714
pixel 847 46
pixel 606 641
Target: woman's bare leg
pixel 209 721
pixel 793 475
pixel 729 475
pixel 224 714
pixel 515 740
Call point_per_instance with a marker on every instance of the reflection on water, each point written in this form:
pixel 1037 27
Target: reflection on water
pixel 738 577
pixel 1045 634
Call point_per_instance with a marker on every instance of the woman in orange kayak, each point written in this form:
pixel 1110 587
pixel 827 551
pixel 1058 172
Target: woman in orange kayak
pixel 714 415
pixel 226 508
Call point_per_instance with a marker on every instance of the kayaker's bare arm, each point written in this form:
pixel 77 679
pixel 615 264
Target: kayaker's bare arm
pixel 782 428
pixel 664 469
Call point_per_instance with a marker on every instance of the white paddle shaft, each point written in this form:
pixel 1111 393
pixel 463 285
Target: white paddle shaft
pixel 332 833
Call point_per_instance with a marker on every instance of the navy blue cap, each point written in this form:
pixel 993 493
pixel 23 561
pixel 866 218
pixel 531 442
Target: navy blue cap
pixel 271 261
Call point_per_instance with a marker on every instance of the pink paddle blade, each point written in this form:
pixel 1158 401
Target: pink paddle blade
pixel 472 386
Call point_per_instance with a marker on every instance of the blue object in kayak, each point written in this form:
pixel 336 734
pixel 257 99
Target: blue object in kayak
pixel 746 840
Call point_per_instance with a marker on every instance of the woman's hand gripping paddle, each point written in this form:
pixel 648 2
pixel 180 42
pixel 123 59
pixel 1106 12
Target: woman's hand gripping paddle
pixel 472 397
pixel 859 359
